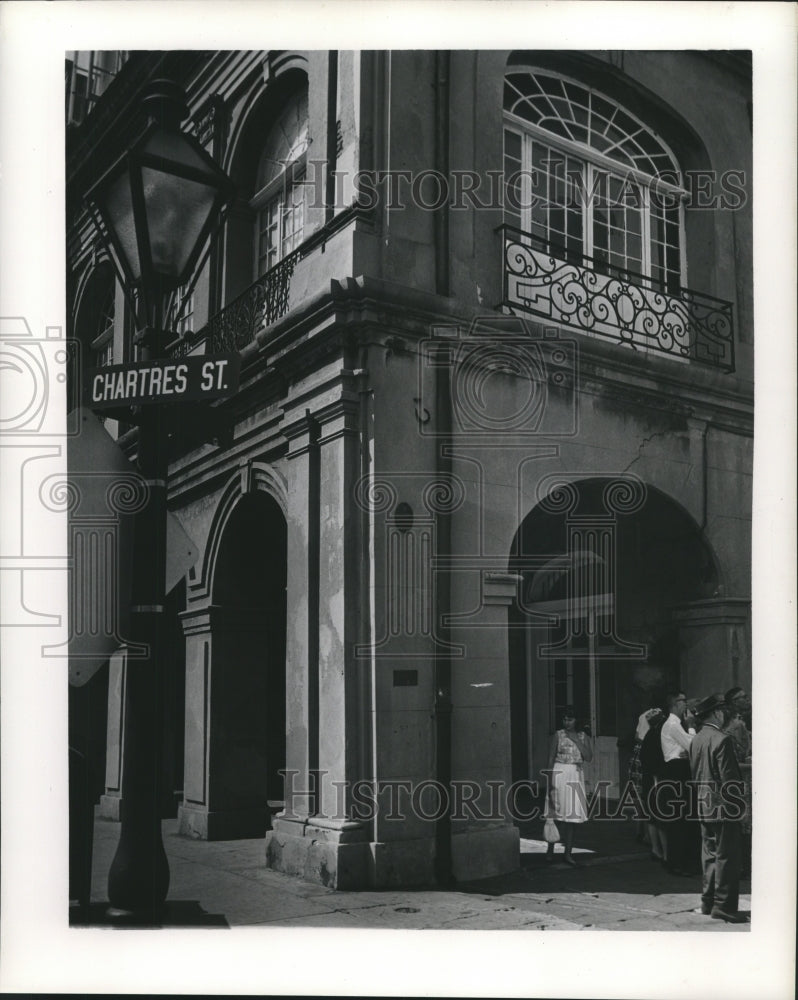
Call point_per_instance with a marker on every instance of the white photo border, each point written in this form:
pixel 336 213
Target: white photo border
pixel 38 950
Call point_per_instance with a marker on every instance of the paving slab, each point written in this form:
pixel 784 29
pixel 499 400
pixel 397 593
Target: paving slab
pixel 226 884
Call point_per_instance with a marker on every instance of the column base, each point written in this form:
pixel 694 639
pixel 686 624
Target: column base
pixel 337 856
pixel 484 853
pixel 228 824
pixel 111 807
pixel 342 858
pixel 400 863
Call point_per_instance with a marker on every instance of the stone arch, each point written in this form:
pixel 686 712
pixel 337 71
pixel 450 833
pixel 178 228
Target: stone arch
pixel 716 569
pixel 261 103
pixel 601 631
pixel 251 477
pixel 235 632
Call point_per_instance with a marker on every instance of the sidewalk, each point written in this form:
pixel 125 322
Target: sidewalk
pixel 617 887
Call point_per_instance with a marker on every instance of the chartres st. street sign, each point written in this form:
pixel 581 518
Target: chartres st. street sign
pixel 165 380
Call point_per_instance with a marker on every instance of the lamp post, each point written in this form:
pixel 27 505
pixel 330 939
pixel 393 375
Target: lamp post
pixel 156 206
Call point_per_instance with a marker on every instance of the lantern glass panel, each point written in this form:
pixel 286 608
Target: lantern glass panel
pixel 177 211
pixel 177 208
pixel 119 215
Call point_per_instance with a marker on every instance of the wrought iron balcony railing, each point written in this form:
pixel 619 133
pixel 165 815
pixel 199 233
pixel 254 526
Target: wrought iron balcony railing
pixel 235 326
pixel 613 303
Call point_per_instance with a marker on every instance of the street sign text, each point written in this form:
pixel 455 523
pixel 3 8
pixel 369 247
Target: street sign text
pixel 165 380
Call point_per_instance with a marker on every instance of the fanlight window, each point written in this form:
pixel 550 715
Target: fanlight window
pixel 279 203
pixel 589 180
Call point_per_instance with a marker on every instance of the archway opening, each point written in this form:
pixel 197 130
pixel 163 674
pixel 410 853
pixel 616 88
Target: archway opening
pixel 593 623
pixel 249 641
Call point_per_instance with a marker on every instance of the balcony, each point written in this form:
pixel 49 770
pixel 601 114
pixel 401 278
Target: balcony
pixel 88 76
pixel 237 325
pixel 611 303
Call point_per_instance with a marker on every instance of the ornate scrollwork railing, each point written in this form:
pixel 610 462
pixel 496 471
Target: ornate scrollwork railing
pixel 235 326
pixel 620 305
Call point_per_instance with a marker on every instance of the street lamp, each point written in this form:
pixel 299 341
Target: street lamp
pixel 156 207
pixel 161 198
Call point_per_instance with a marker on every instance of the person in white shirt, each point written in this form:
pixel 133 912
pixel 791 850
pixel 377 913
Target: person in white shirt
pixel 675 740
pixel 672 799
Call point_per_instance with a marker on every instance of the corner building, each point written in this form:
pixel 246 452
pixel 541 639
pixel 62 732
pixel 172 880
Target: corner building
pixel 491 452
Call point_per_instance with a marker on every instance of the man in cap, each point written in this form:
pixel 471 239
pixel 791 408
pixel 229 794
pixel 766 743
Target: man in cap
pixel 719 785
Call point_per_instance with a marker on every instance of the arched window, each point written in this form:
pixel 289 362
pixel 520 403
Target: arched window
pixel 102 344
pixel 96 317
pixel 589 181
pixel 95 323
pixel 279 199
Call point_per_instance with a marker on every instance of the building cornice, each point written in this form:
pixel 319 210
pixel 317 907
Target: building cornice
pixel 277 391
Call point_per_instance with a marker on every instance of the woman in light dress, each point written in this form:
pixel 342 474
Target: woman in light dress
pixel 570 748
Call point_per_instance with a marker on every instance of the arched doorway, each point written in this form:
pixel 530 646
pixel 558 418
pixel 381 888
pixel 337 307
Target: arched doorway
pixel 248 660
pixel 593 623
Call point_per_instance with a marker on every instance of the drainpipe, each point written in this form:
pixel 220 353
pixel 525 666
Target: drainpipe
pixel 443 662
pixel 441 219
pixel 332 135
pixel 704 478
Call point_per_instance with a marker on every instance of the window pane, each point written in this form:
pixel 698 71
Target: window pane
pixel 576 182
pixel 581 691
pixel 512 145
pixel 607 721
pixel 600 232
pixel 286 141
pixel 672 259
pixel 634 251
pixel 575 227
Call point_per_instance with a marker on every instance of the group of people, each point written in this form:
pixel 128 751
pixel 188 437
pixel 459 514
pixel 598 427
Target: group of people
pixel 691 768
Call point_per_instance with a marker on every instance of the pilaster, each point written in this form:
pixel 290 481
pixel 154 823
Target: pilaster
pixel 484 840
pixel 714 644
pixel 314 837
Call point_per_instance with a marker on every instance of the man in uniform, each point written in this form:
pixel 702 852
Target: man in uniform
pixel 718 787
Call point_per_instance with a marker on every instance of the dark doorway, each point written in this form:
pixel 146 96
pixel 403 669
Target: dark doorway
pixel 249 595
pixel 558 655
